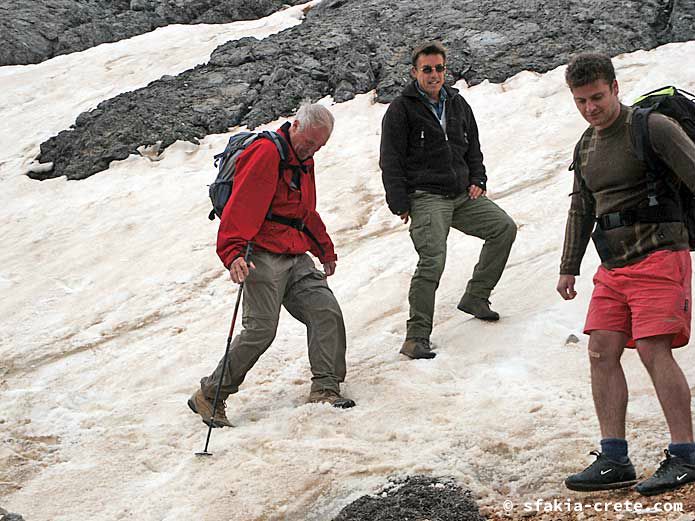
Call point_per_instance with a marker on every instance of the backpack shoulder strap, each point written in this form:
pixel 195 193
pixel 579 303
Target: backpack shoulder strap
pixel 279 143
pixel 576 156
pixel 639 133
pixel 574 166
pixel 283 149
pixel 642 147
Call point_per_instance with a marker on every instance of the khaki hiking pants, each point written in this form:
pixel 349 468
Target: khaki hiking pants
pixel 294 282
pixel 431 217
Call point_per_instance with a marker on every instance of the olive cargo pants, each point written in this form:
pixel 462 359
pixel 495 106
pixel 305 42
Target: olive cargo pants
pixel 291 281
pixel 431 217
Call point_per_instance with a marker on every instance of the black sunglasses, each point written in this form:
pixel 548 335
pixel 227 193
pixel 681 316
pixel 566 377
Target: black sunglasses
pixel 427 69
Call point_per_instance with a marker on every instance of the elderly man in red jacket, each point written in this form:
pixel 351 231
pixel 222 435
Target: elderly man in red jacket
pixel 276 210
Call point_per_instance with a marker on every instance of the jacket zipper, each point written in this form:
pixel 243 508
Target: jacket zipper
pixel 446 139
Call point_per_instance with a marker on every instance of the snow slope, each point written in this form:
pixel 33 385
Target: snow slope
pixel 114 305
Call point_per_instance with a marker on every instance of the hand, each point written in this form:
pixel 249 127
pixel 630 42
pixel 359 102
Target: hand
pixel 404 217
pixel 239 270
pixel 565 287
pixel 474 191
pixel 329 268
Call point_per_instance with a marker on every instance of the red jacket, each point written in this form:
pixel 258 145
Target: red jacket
pixel 257 188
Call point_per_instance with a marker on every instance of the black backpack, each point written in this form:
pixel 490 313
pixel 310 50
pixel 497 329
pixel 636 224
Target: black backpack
pixel 680 106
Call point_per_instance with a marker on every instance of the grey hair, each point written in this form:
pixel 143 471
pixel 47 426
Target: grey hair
pixel 313 115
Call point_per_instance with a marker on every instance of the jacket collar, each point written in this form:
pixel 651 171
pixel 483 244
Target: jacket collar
pixel 292 158
pixel 411 91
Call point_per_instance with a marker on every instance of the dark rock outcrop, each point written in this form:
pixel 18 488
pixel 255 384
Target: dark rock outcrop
pixel 9 516
pixel 347 47
pixel 416 497
pixel 34 31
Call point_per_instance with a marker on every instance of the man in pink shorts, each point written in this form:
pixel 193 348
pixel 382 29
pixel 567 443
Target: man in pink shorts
pixel 642 296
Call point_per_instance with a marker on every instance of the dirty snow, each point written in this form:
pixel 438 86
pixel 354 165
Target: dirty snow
pixel 115 304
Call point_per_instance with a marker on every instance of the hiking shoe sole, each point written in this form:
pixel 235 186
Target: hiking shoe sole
pixel 427 355
pixel 588 487
pixel 486 318
pixel 661 490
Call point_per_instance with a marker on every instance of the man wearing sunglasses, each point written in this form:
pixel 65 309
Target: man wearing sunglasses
pixel 434 177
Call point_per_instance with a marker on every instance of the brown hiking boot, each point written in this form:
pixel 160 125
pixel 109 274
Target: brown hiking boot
pixel 332 397
pixel 417 348
pixel 200 404
pixel 478 307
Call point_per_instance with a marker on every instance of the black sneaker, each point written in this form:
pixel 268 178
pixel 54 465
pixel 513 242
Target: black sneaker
pixel 672 473
pixel 602 474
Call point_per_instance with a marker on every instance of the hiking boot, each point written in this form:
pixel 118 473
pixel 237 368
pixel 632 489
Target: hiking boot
pixel 602 474
pixel 200 404
pixel 672 473
pixel 478 307
pixel 417 348
pixel 332 397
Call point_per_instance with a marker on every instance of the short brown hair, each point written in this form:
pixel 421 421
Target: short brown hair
pixel 588 67
pixel 428 49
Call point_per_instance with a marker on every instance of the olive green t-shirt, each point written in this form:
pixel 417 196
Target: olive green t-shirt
pixel 615 180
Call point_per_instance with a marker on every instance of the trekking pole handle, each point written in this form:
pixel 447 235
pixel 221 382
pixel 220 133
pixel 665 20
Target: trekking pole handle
pixel 247 255
pixel 249 249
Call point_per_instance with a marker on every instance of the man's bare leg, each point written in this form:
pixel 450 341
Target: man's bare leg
pixel 674 396
pixel 608 384
pixel 612 468
pixel 670 385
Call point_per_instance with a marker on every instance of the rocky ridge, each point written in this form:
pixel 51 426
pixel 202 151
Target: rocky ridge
pixel 346 47
pixel 31 32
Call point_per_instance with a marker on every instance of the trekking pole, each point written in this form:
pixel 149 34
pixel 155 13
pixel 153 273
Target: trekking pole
pixel 224 360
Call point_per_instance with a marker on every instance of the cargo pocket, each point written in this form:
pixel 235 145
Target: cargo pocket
pixel 420 232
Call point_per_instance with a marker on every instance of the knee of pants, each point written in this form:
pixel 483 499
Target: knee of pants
pixel 260 329
pixel 508 231
pixel 319 307
pixel 330 317
pixel 431 267
pixel 321 299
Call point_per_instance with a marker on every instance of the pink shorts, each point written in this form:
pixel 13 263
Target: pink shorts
pixel 648 298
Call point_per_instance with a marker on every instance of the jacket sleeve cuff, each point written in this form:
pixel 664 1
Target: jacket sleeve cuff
pixel 569 270
pixel 331 257
pixel 399 212
pixel 482 183
pixel 232 258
